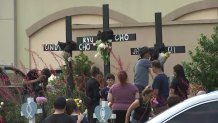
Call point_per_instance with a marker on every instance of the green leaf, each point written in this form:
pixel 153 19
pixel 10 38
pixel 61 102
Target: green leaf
pixel 204 62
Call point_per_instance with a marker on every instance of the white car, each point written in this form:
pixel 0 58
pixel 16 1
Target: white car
pixel 198 109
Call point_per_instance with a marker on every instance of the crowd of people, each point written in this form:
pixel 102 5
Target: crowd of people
pixel 132 102
pixel 141 97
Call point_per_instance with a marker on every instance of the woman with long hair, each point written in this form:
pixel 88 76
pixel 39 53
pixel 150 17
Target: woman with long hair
pixel 180 84
pixel 121 95
pixel 141 107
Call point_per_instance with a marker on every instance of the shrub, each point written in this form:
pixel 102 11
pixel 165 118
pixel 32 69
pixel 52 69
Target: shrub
pixel 203 68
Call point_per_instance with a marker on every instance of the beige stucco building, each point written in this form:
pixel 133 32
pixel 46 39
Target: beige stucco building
pixel 38 22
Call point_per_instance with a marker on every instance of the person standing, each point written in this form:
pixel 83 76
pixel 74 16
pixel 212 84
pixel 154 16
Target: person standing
pixel 110 79
pixel 160 88
pixel 121 96
pixel 141 107
pixel 141 69
pixel 36 83
pixel 93 93
pixel 59 115
pixel 35 86
pixel 180 84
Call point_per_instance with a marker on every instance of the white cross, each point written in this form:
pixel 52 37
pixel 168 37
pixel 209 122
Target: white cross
pixel 29 100
pixel 103 104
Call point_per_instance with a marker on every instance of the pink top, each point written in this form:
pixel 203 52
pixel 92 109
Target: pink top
pixel 122 96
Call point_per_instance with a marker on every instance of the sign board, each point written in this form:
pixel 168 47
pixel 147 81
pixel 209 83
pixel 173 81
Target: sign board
pixel 51 47
pixel 87 43
pixel 172 49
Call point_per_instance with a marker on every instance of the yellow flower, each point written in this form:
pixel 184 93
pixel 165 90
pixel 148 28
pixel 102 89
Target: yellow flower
pixel 163 57
pixel 78 102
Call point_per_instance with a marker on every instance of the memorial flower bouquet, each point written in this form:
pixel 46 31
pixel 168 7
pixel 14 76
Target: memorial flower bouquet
pixel 41 100
pixel 103 44
pixel 103 49
pixel 163 57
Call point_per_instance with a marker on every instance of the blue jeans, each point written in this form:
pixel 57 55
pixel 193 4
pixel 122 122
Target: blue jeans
pixel 140 88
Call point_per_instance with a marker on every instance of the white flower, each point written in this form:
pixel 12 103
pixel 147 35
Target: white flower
pixel 102 45
pixel 2 103
pixel 163 57
pixel 51 78
pixel 106 46
pixel 94 44
pixel 80 101
pixel 110 40
pixel 97 54
pixel 69 59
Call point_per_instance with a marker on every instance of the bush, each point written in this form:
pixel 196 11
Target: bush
pixel 82 65
pixel 204 62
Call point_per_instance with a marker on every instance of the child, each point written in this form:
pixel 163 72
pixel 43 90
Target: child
pixel 110 78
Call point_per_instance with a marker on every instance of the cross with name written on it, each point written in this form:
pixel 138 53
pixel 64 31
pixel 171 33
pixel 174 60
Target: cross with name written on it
pixel 86 43
pixel 171 49
pixel 159 42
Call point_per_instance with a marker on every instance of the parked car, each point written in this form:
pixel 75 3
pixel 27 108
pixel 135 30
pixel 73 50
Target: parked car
pixel 198 109
pixel 11 76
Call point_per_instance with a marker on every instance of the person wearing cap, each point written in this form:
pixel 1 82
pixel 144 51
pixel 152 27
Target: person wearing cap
pixel 59 115
pixel 142 69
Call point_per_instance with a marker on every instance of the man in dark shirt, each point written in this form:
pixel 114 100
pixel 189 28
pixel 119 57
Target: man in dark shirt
pixel 59 116
pixel 93 93
pixel 160 87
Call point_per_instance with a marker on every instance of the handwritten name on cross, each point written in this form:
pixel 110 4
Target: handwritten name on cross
pixel 29 110
pixel 158 31
pixel 172 49
pixel 87 43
